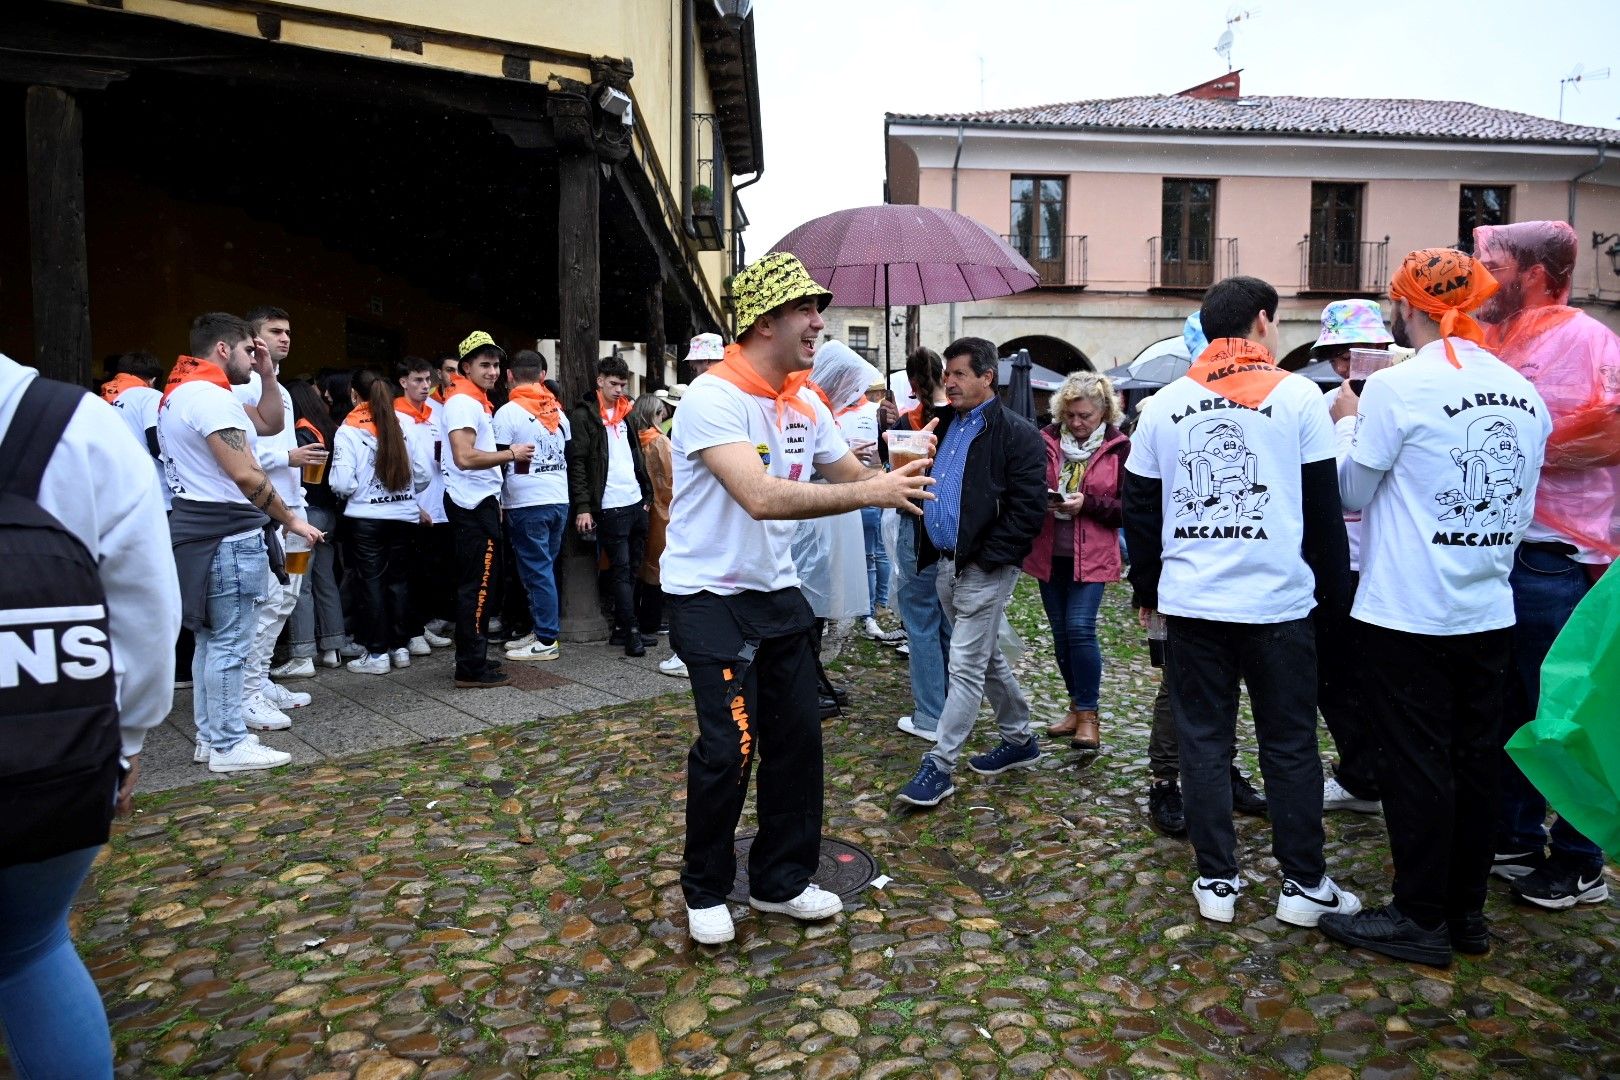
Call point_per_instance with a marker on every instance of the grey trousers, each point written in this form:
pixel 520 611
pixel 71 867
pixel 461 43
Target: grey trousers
pixel 974 602
pixel 318 603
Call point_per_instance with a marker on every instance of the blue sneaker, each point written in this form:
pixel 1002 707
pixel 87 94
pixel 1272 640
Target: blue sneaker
pixel 928 787
pixel 1006 756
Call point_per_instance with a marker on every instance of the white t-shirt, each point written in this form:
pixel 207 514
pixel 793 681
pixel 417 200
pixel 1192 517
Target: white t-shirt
pixel 193 412
pixel 712 544
pixel 860 425
pixel 139 407
pixel 622 488
pixel 468 487
pixel 1342 439
pixel 546 482
pixel 272 450
pixel 1233 523
pixel 1460 450
pixel 431 437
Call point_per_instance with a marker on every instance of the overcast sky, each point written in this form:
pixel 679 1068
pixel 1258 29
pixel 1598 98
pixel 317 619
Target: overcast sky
pixel 831 69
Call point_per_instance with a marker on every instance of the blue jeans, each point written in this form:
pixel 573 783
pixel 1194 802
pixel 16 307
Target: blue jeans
pixel 537 535
pixel 1546 588
pixel 976 600
pixel 927 629
pixel 235 584
pixel 1071 608
pixel 54 1021
pixel 877 558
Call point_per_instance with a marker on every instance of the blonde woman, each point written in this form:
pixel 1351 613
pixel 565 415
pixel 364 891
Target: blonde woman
pixel 1077 551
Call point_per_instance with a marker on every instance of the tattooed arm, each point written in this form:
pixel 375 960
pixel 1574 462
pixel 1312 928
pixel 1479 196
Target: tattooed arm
pixel 230 449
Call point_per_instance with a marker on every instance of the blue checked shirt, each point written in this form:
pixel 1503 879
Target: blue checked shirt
pixel 942 517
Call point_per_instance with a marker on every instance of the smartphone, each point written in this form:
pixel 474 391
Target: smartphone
pixel 1053 497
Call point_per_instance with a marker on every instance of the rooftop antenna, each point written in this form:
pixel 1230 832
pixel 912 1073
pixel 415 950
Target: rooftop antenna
pixel 1234 14
pixel 1575 78
pixel 981 82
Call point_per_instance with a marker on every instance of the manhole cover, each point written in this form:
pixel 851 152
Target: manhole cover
pixel 845 869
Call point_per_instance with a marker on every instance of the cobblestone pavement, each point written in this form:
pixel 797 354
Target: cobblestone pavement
pixel 505 903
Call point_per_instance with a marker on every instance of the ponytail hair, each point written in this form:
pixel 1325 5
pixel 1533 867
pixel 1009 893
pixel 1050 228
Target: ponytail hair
pixel 393 457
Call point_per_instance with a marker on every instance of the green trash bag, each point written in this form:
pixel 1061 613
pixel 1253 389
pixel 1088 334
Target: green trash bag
pixel 1571 750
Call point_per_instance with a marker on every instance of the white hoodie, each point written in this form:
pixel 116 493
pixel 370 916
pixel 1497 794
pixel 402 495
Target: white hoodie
pixel 354 476
pixel 101 486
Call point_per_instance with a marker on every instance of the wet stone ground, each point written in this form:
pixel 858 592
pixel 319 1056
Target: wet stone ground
pixel 505 903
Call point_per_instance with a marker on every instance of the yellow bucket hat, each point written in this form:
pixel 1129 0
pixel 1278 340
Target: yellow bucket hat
pixel 769 283
pixel 475 341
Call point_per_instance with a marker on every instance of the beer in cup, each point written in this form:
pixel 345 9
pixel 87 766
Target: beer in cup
pixel 315 472
pixel 1363 363
pixel 905 446
pixel 295 546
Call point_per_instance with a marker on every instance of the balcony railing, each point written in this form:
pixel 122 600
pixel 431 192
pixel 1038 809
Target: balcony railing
pixel 1190 262
pixel 1061 262
pixel 1343 267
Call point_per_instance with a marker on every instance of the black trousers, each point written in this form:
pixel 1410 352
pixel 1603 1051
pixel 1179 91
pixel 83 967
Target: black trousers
pixel 1341 697
pixel 478 568
pixel 621 534
pixel 649 606
pixel 1437 707
pixel 382 560
pixel 433 574
pixel 1164 760
pixel 754 686
pixel 1277 661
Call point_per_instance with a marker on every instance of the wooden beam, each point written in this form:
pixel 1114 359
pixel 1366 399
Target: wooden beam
pixel 655 334
pixel 61 269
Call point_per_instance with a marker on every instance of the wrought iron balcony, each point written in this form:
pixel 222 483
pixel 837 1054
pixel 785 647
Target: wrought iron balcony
pixel 1061 261
pixel 1190 262
pixel 1343 267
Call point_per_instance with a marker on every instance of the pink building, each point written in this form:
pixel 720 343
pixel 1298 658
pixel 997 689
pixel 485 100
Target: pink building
pixel 1130 207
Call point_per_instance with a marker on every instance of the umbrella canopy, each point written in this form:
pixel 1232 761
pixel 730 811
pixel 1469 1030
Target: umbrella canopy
pixel 1153 371
pixel 1040 378
pixel 1321 372
pixel 1020 398
pixel 896 255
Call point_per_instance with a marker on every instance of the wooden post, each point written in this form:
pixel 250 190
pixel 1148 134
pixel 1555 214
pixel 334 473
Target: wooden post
pixel 61 271
pixel 655 335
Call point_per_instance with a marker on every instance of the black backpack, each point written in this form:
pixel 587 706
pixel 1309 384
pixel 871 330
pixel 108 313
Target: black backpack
pixel 59 739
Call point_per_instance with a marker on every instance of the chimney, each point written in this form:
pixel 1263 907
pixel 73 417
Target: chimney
pixel 1223 87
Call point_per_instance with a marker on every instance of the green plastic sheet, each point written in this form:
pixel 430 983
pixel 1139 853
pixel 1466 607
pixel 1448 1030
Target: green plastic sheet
pixel 1571 750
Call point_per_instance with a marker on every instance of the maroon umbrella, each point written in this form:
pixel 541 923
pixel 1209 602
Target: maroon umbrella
pixel 878 256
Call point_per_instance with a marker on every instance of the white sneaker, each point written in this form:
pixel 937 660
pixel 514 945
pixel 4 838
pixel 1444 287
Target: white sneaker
pixel 1299 906
pixel 246 755
pixel 401 658
pixel 519 644
pixel 419 646
pixel 495 624
pixel 182 684
pixel 260 715
pixel 199 752
pixel 352 651
pixel 330 659
pixel 1334 797
pixel 710 925
pixel 369 665
pixel 534 651
pixel 283 698
pixel 438 641
pixel 1217 898
pixel 812 904
pixel 675 667
pixel 870 627
pixel 299 667
pixel 907 725
pixel 439 627
pixel 904 649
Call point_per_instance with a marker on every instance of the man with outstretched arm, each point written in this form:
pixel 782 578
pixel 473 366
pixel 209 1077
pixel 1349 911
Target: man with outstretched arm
pixel 747 437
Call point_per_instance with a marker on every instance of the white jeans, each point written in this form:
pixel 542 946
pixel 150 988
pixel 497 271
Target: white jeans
pixel 270 617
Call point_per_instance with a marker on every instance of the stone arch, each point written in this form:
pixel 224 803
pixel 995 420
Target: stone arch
pixel 1052 353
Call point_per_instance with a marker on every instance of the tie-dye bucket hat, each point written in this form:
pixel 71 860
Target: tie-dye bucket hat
pixel 1352 322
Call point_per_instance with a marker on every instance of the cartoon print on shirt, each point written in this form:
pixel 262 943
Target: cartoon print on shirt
pixel 1221 471
pixel 548 451
pixel 1492 476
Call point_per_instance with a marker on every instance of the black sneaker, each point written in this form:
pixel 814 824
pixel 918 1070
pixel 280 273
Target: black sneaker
pixel 482 682
pixel 1165 810
pixel 1246 800
pixel 1470 933
pixel 1384 930
pixel 1560 885
pixel 1514 865
pixel 634 646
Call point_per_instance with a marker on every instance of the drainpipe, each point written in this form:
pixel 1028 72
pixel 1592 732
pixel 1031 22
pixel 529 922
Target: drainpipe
pixel 688 92
pixel 955 168
pixel 1574 189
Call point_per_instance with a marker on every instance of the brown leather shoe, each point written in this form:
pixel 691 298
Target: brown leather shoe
pixel 1064 726
pixel 1086 736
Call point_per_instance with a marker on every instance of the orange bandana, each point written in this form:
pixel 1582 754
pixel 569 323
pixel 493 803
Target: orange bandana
pixel 1446 284
pixel 612 417
pixel 1238 370
pixel 118 384
pixel 190 369
pixel 539 403
pixel 913 417
pixel 650 435
pixel 737 371
pixel 420 413
pixel 360 417
pixel 463 385
pixel 305 425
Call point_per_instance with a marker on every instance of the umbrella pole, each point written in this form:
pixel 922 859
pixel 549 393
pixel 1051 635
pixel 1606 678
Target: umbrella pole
pixel 888 348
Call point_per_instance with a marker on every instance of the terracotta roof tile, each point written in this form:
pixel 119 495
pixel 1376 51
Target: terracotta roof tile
pixel 1395 118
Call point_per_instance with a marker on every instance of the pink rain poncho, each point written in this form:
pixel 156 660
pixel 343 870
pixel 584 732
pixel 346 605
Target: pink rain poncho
pixel 1574 363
